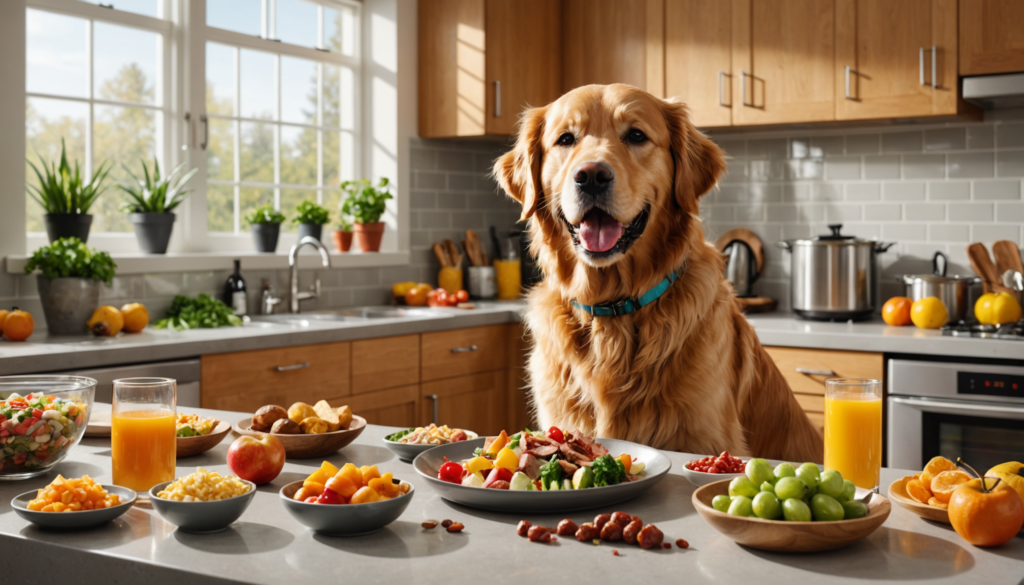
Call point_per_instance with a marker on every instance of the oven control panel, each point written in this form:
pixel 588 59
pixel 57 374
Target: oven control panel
pixel 984 384
pixel 956 380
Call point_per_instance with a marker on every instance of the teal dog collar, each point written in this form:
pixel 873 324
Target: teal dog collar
pixel 626 306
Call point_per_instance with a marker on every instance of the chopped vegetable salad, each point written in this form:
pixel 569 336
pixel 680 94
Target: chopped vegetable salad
pixel 35 428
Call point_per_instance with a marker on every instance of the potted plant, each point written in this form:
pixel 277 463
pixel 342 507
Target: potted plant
pixel 342 235
pixel 152 200
pixel 365 204
pixel 311 219
pixel 69 280
pixel 65 198
pixel 265 223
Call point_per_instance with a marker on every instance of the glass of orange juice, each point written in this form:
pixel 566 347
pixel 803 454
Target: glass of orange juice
pixel 853 429
pixel 143 436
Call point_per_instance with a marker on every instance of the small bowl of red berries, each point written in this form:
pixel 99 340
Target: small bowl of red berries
pixel 711 468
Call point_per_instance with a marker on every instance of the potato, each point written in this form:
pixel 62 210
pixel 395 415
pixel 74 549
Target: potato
pixel 300 411
pixel 286 426
pixel 314 425
pixel 344 416
pixel 328 414
pixel 266 416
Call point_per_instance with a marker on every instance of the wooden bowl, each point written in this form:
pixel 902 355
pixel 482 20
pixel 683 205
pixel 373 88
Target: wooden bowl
pixel 188 446
pixel 783 536
pixel 898 493
pixel 309 446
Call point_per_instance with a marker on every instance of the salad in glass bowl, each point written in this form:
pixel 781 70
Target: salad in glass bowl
pixel 41 419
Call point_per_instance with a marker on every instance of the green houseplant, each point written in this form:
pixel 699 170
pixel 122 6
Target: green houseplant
pixel 66 197
pixel 70 275
pixel 265 224
pixel 151 203
pixel 366 203
pixel 342 234
pixel 311 219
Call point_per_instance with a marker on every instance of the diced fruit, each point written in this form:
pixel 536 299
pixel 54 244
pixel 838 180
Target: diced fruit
pixel 583 478
pixel 946 482
pixel 479 464
pixel 352 473
pixel 341 485
pixel 933 501
pixel 313 488
pixel 473 480
pixel 520 482
pixel 916 490
pixel 939 464
pixel 329 497
pixel 369 472
pixel 507 459
pixel 638 467
pixel 328 469
pixel 627 461
pixel 498 444
pixel 365 495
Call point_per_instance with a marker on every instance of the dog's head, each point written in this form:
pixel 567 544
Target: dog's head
pixel 610 175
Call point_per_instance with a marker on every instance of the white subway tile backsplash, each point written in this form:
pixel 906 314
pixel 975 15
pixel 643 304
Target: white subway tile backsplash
pixel 897 142
pixel 1010 212
pixel 945 139
pixel 993 190
pixel 970 165
pixel 826 146
pixel 430 180
pixel 988 232
pixel 1010 163
pixel 749 213
pixel 980 136
pixel 924 211
pixel 767 148
pixel 863 192
pixel 971 211
pixel 905 191
pixel 863 144
pixel 1009 135
pixel 949 233
pixel 882 167
pixel 883 211
pixel 924 166
pixel 843 212
pixel 949 191
pixel 781 213
pixel 842 168
pixel 905 231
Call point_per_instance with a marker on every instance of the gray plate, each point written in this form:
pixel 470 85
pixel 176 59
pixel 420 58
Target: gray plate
pixel 201 517
pixel 345 520
pixel 428 462
pixel 408 452
pixel 74 520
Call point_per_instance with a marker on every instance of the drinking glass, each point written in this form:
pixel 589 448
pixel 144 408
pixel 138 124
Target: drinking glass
pixel 853 429
pixel 143 436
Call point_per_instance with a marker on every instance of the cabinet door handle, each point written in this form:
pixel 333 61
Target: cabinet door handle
pixel 813 372
pixel 721 75
pixel 298 366
pixel 848 83
pixel 434 398
pixel 935 84
pixel 497 99
pixel 743 88
pixel 473 347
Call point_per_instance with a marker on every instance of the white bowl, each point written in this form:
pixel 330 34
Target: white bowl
pixel 701 478
pixel 407 452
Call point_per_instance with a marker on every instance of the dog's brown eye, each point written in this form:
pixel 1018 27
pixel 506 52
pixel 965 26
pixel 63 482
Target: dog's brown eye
pixel 636 136
pixel 566 139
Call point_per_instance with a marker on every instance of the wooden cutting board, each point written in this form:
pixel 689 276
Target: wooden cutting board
pixel 99 424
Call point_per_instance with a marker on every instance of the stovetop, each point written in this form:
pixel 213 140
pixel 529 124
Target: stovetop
pixel 1012 331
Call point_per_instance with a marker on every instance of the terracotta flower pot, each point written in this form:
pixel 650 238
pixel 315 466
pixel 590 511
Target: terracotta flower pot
pixel 369 236
pixel 342 240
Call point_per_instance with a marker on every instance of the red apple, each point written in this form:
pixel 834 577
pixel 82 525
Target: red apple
pixel 256 460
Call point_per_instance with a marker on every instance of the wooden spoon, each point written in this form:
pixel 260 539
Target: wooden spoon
pixel 982 264
pixel 453 253
pixel 442 255
pixel 1007 256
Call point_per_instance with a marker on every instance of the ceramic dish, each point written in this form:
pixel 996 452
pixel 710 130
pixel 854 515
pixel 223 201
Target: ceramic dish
pixel 526 502
pixel 309 446
pixel 783 536
pixel 407 452
pixel 345 520
pixel 700 478
pixel 898 493
pixel 188 446
pixel 201 517
pixel 74 520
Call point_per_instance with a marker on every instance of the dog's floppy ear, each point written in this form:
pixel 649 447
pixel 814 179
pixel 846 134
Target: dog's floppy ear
pixel 698 161
pixel 518 171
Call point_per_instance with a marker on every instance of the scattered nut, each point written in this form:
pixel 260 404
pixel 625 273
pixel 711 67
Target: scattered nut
pixel 446 523
pixel 456 527
pixel 681 543
pixel 429 525
pixel 524 528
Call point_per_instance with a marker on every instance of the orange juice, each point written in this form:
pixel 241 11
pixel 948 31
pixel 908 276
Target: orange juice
pixel 853 438
pixel 509 276
pixel 143 444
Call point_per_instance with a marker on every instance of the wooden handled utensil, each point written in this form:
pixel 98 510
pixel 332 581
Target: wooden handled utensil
pixel 442 255
pixel 453 253
pixel 1007 256
pixel 982 264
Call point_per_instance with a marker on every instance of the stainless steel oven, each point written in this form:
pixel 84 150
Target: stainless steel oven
pixel 974 411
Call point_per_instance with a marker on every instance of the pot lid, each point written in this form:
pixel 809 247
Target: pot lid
pixel 835 236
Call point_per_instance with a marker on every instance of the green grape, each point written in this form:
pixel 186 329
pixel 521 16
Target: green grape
pixel 796 510
pixel 766 506
pixel 809 473
pixel 768 487
pixel 811 492
pixel 742 486
pixel 854 509
pixel 849 491
pixel 741 506
pixel 784 470
pixel 831 484
pixel 759 471
pixel 721 503
pixel 789 488
pixel 826 508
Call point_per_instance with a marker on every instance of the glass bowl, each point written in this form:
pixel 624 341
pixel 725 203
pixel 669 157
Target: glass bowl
pixel 41 419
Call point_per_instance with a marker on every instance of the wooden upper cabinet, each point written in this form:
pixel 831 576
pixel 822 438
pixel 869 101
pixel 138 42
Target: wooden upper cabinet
pixel 614 41
pixel 991 37
pixel 470 48
pixel 698 59
pixel 783 54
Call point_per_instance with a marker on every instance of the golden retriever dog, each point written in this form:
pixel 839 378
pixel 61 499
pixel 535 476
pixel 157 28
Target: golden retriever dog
pixel 609 178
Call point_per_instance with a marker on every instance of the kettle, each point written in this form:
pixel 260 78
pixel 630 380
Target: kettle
pixel 740 268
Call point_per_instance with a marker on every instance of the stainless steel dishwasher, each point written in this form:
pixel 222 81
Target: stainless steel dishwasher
pixel 186 372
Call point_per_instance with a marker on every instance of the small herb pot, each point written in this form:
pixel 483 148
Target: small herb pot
pixel 153 231
pixel 369 236
pixel 67 225
pixel 311 229
pixel 342 240
pixel 68 303
pixel 265 236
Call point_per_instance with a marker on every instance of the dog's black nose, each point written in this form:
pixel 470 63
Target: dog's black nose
pixel 593 178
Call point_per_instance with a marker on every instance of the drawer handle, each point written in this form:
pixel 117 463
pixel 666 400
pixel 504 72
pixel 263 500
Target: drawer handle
pixel 812 372
pixel 473 347
pixel 434 398
pixel 299 366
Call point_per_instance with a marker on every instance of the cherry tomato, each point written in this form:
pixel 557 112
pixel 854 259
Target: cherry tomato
pixel 458 436
pixel 451 472
pixel 555 434
pixel 311 499
pixel 329 497
pixel 462 296
pixel 437 298
pixel 451 300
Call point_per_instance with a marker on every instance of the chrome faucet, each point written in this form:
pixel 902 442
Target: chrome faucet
pixel 293 273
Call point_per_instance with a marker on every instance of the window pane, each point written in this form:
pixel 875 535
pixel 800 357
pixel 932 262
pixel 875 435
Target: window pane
pixel 257 156
pixel 46 122
pixel 347 105
pixel 220 152
pixel 298 156
pixel 146 7
pixel 56 54
pixel 249 198
pixel 220 208
pixel 332 201
pixel 340 30
pixel 298 90
pixel 244 16
pixel 332 159
pixel 338 97
pixel 220 79
pixel 123 137
pixel 126 63
pixel 290 198
pixel 257 85
pixel 296 22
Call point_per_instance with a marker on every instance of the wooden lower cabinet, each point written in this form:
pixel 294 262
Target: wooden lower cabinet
pixel 399 407
pixel 476 402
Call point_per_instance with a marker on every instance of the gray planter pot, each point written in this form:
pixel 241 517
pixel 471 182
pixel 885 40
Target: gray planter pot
pixel 311 229
pixel 153 231
pixel 68 303
pixel 67 225
pixel 265 236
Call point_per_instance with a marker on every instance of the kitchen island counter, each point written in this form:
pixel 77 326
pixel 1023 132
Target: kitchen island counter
pixel 268 546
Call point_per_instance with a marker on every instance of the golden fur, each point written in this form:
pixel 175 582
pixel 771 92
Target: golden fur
pixel 686 372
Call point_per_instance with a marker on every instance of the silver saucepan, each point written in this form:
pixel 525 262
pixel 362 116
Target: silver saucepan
pixel 951 290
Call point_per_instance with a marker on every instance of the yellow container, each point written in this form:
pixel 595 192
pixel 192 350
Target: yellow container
pixel 450 279
pixel 509 279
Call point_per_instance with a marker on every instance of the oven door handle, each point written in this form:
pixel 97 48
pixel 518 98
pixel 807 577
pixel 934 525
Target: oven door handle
pixel 995 410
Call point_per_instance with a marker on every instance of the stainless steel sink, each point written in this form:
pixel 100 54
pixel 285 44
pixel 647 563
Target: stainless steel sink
pixel 352 315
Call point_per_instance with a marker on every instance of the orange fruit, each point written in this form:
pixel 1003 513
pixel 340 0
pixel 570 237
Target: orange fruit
pixel 939 464
pixel 935 503
pixel 947 481
pixel 3 316
pixel 417 295
pixel 925 478
pixel 929 313
pixel 986 511
pixel 136 317
pixel 917 491
pixel 896 311
pixel 18 325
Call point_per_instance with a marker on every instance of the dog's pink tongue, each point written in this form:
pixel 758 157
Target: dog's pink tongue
pixel 599 231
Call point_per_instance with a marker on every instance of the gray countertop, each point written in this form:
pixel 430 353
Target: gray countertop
pixel 43 353
pixel 268 546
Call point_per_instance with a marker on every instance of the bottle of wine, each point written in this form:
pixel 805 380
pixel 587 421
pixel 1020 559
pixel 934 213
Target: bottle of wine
pixel 234 291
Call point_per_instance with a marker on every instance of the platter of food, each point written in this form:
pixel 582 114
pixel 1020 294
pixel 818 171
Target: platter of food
pixel 196 434
pixel 305 431
pixel 535 472
pixel 409 443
